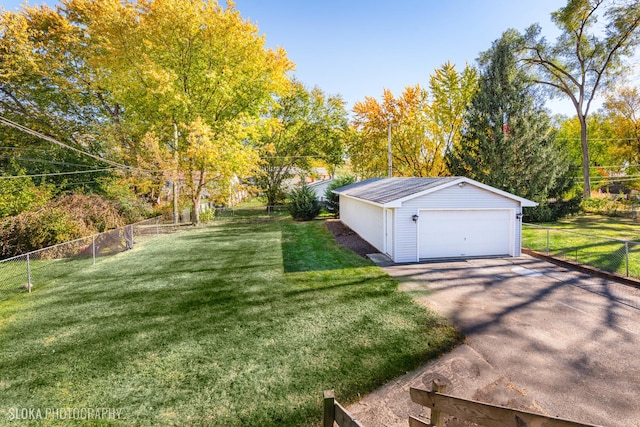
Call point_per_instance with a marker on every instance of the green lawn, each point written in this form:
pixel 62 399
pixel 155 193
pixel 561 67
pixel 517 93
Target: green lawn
pixel 235 324
pixel 587 239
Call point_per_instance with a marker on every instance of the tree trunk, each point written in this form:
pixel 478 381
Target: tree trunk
pixel 176 174
pixel 195 218
pixel 585 157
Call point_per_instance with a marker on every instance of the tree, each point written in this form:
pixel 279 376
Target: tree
pixel 300 126
pixel 586 56
pixel 47 85
pixel 332 203
pixel 508 140
pixel 193 73
pixel 303 204
pixel 451 94
pixel 601 146
pixel 423 125
pixel 623 111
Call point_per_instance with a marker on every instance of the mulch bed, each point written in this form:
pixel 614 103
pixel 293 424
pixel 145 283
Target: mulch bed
pixel 349 239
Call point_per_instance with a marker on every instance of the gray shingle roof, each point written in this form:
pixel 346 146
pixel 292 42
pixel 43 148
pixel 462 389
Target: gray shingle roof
pixel 385 190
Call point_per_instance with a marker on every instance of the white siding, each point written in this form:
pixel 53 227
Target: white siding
pixel 454 197
pixel 388 232
pixel 320 187
pixel 365 219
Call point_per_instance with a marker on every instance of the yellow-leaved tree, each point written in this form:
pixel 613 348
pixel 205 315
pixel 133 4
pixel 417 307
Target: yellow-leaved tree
pixel 194 73
pixel 425 124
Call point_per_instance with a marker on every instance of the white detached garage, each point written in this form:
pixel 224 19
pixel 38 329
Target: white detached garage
pixel 410 219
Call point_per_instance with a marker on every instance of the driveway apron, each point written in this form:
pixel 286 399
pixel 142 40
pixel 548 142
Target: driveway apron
pixel 538 337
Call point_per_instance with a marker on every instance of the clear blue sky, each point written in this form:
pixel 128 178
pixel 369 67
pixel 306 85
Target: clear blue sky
pixel 356 48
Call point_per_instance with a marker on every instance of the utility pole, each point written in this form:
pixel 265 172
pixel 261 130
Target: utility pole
pixel 390 158
pixel 175 174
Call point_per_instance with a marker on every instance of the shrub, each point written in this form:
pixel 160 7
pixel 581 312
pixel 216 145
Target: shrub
pixel 29 231
pixel 95 212
pixel 208 215
pixel 332 203
pixel 21 195
pixel 131 206
pixel 552 211
pixel 303 204
pixel 67 218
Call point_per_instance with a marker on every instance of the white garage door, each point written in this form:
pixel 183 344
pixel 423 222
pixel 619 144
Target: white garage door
pixel 465 233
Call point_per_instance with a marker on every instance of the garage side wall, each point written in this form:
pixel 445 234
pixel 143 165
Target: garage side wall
pixel 365 219
pixel 454 197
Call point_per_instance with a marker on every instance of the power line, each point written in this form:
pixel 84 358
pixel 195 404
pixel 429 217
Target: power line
pixel 51 162
pixel 577 138
pixel 32 132
pixel 56 173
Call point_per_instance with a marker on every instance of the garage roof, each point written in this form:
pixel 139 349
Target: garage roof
pixel 388 191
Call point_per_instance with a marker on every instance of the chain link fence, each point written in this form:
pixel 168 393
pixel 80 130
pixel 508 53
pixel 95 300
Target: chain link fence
pixel 21 273
pixel 611 255
pixel 263 213
pixel 608 254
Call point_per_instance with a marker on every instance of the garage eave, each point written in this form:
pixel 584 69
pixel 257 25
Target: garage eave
pixel 391 205
pixel 462 181
pixel 369 202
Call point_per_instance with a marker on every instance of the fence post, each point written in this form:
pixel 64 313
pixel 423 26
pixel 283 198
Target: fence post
pixel 437 418
pixel 626 256
pixel 157 226
pixel 28 273
pixel 329 409
pixel 93 248
pixel 547 242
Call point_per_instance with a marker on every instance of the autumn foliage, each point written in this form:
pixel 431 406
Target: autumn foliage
pixel 423 124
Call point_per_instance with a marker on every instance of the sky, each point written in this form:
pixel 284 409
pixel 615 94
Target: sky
pixel 357 48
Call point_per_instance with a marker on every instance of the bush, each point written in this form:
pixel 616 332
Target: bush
pixel 132 207
pixel 332 203
pixel 552 211
pixel 29 231
pixel 303 204
pixel 67 218
pixel 21 195
pixel 608 205
pixel 208 215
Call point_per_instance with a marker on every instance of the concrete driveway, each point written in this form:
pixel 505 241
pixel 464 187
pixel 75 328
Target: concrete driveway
pixel 538 337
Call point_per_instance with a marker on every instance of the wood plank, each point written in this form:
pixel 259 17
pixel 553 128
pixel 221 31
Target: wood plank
pixel 328 409
pixel 415 422
pixel 437 417
pixel 486 414
pixel 343 418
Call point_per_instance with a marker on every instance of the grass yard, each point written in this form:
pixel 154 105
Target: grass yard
pixel 236 324
pixel 586 239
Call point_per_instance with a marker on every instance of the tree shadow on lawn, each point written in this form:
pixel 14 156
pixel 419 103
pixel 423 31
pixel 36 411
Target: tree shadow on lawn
pixel 187 327
pixel 607 256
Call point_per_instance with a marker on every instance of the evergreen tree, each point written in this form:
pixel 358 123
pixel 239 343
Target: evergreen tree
pixel 303 204
pixel 332 204
pixel 508 141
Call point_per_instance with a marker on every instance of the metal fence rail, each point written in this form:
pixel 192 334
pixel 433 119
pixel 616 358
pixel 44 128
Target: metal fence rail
pixel 22 272
pixel 267 213
pixel 617 256
pixel 608 254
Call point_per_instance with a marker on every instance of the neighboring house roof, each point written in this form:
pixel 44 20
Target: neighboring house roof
pixel 391 192
pixel 319 183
